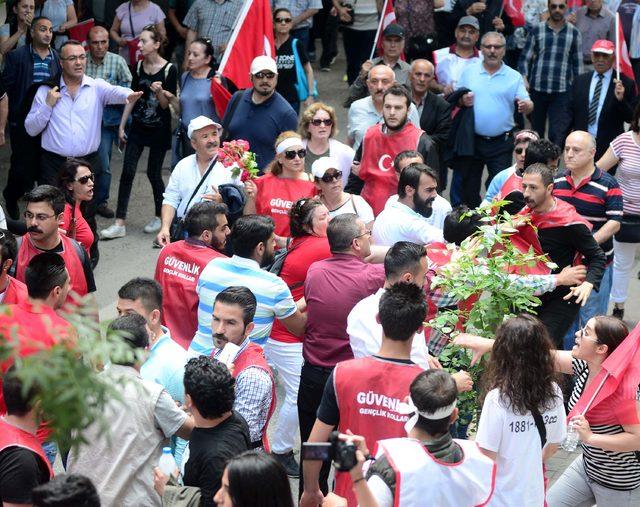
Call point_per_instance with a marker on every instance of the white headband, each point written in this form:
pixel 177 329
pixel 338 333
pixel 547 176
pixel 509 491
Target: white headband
pixel 287 143
pixel 410 408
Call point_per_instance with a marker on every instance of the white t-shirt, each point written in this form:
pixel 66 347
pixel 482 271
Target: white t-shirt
pixel 519 479
pixel 357 205
pixel 399 222
pixel 440 206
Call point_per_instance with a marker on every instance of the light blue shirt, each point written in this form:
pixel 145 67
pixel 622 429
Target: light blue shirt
pixel 496 184
pixel 606 81
pixel 272 294
pixel 495 97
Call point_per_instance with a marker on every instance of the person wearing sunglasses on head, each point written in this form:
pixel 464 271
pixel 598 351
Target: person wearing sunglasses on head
pixel 285 182
pixel 319 128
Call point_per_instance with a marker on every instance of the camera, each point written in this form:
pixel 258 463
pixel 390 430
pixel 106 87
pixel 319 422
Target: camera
pixel 343 454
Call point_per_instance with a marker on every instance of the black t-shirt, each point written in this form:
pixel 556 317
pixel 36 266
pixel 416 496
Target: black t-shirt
pixel 86 263
pixel 21 470
pixel 209 451
pixel 287 76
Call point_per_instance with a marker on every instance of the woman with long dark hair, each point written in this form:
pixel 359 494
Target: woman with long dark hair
pixel 523 417
pixel 254 479
pixel 76 180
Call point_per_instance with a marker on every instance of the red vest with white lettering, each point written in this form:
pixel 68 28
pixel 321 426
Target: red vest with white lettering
pixel 16 292
pixel 177 271
pixel 71 260
pixel 368 391
pixel 420 476
pixel 253 356
pixel 10 436
pixel 376 166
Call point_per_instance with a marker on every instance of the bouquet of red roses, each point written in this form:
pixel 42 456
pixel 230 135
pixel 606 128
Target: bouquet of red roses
pixel 236 154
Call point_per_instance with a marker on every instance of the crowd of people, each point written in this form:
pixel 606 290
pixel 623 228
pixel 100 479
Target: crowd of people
pixel 286 323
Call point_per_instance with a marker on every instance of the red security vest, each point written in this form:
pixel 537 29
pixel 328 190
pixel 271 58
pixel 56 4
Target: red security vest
pixel 513 183
pixel 71 260
pixel 368 391
pixel 16 292
pixel 253 356
pixel 10 436
pixel 376 168
pixel 178 271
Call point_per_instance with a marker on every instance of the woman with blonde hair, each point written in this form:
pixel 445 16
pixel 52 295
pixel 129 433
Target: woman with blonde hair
pixel 283 184
pixel 318 128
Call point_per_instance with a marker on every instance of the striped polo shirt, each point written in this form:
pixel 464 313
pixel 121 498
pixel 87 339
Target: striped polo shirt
pixel 41 66
pixel 272 294
pixel 598 199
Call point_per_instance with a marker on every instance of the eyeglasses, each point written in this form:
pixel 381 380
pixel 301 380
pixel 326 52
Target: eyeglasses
pixel 283 21
pixel 557 7
pixel 262 75
pixel 40 217
pixel 365 233
pixel 291 154
pixel 75 58
pixel 329 177
pixel 495 47
pixel 519 151
pixel 84 179
pixel 316 122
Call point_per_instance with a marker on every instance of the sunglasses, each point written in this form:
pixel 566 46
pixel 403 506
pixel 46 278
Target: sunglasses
pixel 329 177
pixel 556 7
pixel 84 179
pixel 262 75
pixel 291 154
pixel 519 151
pixel 327 123
pixel 283 21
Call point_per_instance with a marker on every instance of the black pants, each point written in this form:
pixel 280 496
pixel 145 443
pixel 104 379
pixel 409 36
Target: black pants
pixel 132 155
pixel 357 49
pixel 325 27
pixel 557 315
pixel 496 154
pixel 312 381
pixel 24 168
pixel 555 108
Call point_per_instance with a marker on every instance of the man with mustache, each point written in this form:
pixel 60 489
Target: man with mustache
pixel 406 218
pixel 195 178
pixel 232 322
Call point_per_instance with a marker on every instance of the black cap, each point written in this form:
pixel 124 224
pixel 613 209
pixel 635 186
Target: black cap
pixel 393 30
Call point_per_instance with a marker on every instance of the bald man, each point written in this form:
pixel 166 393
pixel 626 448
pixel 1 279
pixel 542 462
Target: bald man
pixel 435 112
pixel 114 70
pixel 597 197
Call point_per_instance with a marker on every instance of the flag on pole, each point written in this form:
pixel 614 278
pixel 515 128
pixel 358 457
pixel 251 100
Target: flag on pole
pixel 252 36
pixel 610 398
pixel 623 62
pixel 513 9
pixel 388 18
pixel 80 32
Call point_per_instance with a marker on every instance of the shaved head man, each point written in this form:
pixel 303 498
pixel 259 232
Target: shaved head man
pixel 420 77
pixel 98 38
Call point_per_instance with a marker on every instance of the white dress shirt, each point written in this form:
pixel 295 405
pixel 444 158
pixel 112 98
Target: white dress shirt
pixel 398 222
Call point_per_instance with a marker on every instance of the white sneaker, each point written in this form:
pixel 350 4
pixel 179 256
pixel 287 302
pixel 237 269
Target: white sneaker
pixel 113 231
pixel 153 226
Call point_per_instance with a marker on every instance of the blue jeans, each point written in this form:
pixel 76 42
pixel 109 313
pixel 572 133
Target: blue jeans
pixel 597 304
pixel 51 451
pixel 303 35
pixel 109 136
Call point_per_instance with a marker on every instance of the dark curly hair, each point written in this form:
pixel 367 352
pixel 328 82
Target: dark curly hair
pixel 301 216
pixel 73 490
pixel 210 385
pixel 521 365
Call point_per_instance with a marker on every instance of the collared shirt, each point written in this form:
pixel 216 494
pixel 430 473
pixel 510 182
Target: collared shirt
pixel 398 222
pixel 495 96
pixel 365 332
pixel 598 198
pixel 41 70
pixel 297 7
pixel 113 69
pixel 72 127
pixel 449 65
pixel 332 288
pixel 606 81
pixel 602 26
pixel 185 178
pixel 165 365
pixel 363 114
pixel 550 59
pixel 253 395
pixel 213 19
pixel 272 294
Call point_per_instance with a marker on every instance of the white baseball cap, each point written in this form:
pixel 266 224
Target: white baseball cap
pixel 322 165
pixel 263 62
pixel 200 122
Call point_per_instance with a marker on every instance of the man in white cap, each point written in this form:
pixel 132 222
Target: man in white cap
pixel 259 114
pixel 195 178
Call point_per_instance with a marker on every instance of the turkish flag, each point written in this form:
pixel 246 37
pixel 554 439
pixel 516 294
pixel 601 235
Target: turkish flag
pixel 388 18
pixel 513 9
pixel 610 398
pixel 80 32
pixel 252 36
pixel 623 62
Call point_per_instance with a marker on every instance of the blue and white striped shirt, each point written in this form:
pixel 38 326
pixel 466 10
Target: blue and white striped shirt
pixel 272 294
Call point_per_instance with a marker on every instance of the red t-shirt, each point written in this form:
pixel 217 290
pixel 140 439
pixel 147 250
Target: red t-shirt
pixel 35 329
pixel 82 233
pixel 302 253
pixel 16 292
pixel 276 197
pixel 177 271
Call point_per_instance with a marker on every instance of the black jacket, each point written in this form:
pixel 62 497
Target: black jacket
pixel 614 112
pixel 461 142
pixel 435 120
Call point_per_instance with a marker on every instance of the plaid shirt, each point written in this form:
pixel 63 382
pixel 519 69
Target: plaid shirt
pixel 297 7
pixel 550 59
pixel 41 66
pixel 113 70
pixel 214 20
